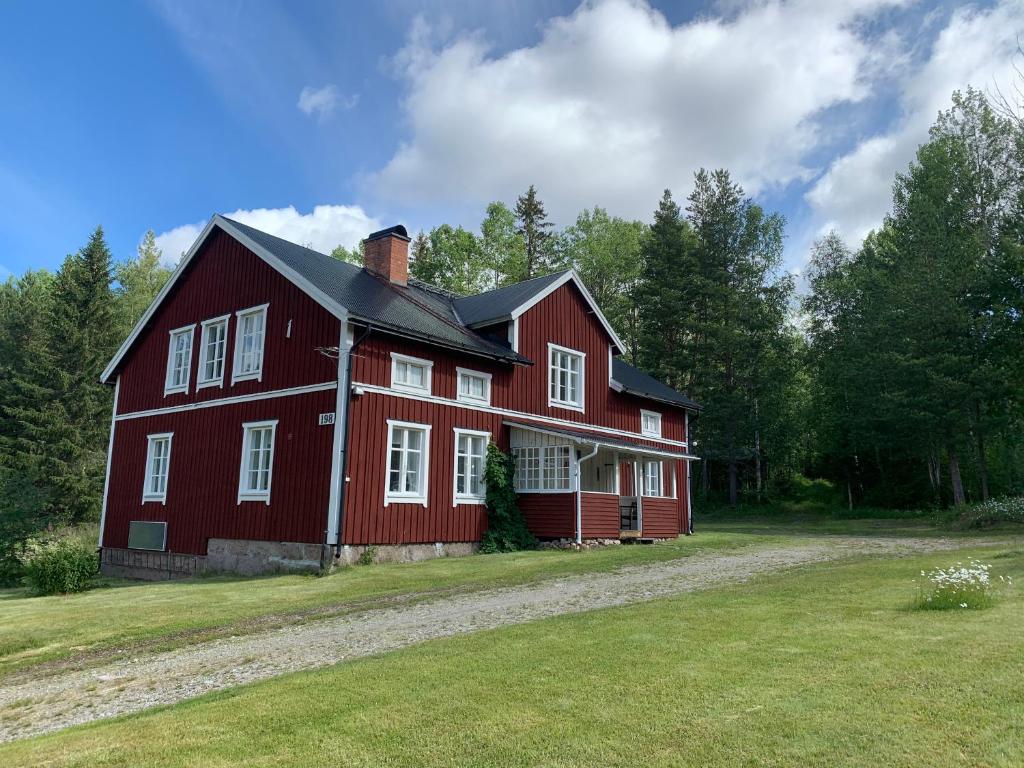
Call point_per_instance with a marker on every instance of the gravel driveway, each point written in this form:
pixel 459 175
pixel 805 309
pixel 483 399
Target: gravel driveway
pixel 30 707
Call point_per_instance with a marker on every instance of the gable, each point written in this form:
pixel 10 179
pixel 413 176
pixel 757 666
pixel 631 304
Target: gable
pixel 218 223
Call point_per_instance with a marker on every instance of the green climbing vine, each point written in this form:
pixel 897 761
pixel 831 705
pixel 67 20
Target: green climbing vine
pixel 506 528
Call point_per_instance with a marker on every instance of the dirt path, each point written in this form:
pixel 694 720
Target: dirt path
pixel 30 707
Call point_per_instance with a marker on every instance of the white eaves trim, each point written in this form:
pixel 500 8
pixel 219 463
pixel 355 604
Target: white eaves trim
pixel 311 290
pixel 570 275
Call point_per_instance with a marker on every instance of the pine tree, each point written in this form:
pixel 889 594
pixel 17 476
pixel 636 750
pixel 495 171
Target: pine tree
pixel 138 282
pixel 534 227
pixel 84 338
pixel 665 295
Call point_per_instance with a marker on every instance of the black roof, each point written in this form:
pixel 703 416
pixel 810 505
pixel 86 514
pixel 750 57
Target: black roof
pixel 414 311
pixel 636 382
pixel 492 306
pixel 433 315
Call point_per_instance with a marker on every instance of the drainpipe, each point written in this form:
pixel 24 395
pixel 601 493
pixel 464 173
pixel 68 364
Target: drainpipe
pixel 579 494
pixel 343 480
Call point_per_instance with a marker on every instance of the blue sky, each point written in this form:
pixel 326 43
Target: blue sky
pixel 320 120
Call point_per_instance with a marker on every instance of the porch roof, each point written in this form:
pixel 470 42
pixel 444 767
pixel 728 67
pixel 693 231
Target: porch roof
pixel 578 436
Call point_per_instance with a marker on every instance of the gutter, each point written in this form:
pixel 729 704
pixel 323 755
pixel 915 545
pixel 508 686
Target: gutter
pixel 579 494
pixel 347 428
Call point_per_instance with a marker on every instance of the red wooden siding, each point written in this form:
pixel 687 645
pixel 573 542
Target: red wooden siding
pixel 600 513
pixel 549 515
pixel 224 278
pixel 660 517
pixel 367 520
pixel 202 483
pixel 563 318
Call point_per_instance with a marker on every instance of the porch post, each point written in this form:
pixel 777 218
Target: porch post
pixel 638 488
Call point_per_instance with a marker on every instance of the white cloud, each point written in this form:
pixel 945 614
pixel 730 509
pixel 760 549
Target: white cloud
pixel 613 104
pixel 975 48
pixel 323 101
pixel 322 229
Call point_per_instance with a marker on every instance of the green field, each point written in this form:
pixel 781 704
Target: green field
pixel 826 665
pixel 127 614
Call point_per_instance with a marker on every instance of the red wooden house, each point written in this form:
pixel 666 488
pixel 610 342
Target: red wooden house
pixel 276 408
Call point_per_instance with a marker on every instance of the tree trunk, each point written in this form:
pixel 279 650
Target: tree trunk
pixel 757 453
pixel 733 486
pixel 979 436
pixel 954 475
pixel 849 495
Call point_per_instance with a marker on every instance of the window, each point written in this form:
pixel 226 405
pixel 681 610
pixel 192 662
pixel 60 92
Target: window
pixel 470 456
pixel 257 461
pixel 249 333
pixel 408 454
pixel 410 374
pixel 179 360
pixel 565 377
pixel 212 344
pixel 653 479
pixel 542 468
pixel 474 387
pixel 650 423
pixel 158 464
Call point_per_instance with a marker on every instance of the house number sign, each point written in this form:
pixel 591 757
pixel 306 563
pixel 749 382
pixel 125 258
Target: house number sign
pixel 326 419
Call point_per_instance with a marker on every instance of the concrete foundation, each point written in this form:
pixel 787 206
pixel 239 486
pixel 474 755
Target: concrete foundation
pixel 405 553
pixel 253 558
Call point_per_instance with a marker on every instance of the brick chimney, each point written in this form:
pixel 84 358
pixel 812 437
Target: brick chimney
pixel 386 254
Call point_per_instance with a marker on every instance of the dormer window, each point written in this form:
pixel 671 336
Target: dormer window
pixel 650 423
pixel 565 377
pixel 410 374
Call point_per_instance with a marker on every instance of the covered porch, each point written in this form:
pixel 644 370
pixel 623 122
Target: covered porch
pixel 584 486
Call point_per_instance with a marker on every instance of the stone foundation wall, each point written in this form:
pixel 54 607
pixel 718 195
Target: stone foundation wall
pixel 151 566
pixel 253 558
pixel 595 543
pixel 405 553
pixel 571 543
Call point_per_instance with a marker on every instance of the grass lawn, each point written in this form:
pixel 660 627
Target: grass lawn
pixel 823 666
pixel 40 629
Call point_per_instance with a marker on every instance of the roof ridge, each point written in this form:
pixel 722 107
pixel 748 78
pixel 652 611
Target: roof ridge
pixel 559 273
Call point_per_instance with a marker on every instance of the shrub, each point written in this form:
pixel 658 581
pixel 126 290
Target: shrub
pixel 60 566
pixel 366 556
pixel 506 528
pixel 959 586
pixel 1009 509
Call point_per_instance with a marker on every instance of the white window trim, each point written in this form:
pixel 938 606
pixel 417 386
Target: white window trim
pixel 657 419
pixel 552 403
pixel 543 449
pixel 428 374
pixel 401 497
pixel 146 495
pixel 486 399
pixel 467 498
pixel 182 388
pixel 202 383
pixel 243 467
pixel 236 358
pixel 661 479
